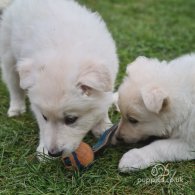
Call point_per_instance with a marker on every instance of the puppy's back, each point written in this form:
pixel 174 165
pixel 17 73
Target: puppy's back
pixel 61 25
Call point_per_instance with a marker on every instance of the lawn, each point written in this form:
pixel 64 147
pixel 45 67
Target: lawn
pixel 154 28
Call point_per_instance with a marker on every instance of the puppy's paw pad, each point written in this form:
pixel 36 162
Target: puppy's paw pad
pixel 132 161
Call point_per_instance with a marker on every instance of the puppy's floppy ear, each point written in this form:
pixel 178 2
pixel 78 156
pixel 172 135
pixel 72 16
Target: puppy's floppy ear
pixel 26 73
pixel 94 78
pixel 155 99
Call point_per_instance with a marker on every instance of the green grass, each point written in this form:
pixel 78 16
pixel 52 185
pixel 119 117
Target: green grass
pixel 154 28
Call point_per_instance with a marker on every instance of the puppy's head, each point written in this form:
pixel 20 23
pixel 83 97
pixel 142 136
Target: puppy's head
pixel 67 101
pixel 143 103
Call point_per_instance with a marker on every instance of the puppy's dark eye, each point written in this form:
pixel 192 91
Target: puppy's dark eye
pixel 132 120
pixel 45 118
pixel 70 120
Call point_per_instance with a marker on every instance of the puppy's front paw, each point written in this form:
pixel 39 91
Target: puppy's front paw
pixel 16 110
pixel 133 160
pixel 42 153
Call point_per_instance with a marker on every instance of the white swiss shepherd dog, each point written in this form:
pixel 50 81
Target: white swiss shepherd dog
pixel 157 98
pixel 63 56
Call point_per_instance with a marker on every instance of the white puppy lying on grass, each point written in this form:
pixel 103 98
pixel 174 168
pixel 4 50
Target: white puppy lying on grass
pixel 64 57
pixel 158 99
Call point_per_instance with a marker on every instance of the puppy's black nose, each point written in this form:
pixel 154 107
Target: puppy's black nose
pixel 56 154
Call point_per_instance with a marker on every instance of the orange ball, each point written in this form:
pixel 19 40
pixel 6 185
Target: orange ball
pixel 81 158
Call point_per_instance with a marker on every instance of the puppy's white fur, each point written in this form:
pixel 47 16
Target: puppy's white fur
pixel 4 3
pixel 64 57
pixel 157 98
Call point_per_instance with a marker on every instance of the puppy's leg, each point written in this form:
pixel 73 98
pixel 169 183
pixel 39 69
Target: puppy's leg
pixel 42 152
pixel 101 126
pixel 11 78
pixel 158 151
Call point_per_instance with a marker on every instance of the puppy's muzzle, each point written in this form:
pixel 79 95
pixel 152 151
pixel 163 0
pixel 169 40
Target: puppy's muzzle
pixel 119 138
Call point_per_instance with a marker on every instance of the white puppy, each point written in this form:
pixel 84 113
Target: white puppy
pixel 158 99
pixel 64 57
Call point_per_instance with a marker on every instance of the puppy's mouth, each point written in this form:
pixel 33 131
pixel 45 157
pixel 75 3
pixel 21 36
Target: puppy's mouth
pixel 58 154
pixel 137 143
pixel 149 139
pixel 114 140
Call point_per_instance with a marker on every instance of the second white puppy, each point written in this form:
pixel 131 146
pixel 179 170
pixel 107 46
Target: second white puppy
pixel 158 99
pixel 64 57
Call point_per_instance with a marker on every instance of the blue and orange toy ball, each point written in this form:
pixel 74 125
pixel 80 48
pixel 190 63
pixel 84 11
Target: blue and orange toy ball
pixel 80 159
pixel 84 155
